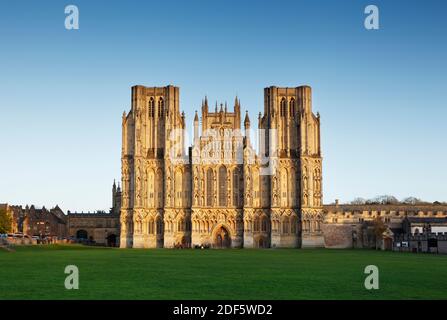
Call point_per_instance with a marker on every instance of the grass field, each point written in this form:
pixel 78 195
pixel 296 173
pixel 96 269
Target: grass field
pixel 37 272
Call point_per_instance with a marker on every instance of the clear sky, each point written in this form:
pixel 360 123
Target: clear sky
pixel 381 93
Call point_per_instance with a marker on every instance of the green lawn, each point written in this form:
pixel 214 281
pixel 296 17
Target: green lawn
pixel 38 273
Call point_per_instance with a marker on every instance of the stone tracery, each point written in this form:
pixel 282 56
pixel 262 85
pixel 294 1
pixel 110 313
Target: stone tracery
pixel 179 203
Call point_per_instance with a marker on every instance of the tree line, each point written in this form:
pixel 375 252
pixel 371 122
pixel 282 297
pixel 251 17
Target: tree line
pixel 389 199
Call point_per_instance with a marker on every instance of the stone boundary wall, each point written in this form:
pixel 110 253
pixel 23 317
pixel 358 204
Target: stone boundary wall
pixel 337 236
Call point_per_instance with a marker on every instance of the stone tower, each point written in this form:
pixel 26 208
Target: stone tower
pixel 148 175
pixel 116 199
pixel 292 139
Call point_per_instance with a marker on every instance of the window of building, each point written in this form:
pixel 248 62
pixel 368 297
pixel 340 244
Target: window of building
pixel 292 107
pixel 181 225
pixel 235 187
pixel 209 187
pixel 178 188
pixel 284 190
pixel 151 227
pixel 151 107
pixel 285 225
pixel 264 224
pixel 283 107
pixel 256 224
pixel 160 107
pixel 159 226
pixel 293 225
pixel 223 185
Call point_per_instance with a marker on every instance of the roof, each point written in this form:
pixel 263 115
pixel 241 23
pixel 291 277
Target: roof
pixel 90 214
pixel 44 213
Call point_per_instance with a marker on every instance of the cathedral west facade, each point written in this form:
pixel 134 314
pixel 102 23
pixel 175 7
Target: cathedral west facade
pixel 225 190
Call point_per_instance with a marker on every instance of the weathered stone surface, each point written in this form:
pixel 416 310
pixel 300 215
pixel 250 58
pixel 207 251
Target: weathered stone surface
pixel 221 197
pixel 337 236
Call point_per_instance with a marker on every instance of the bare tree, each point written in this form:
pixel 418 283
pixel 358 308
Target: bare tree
pixel 358 201
pixel 411 200
pixel 379 228
pixel 385 199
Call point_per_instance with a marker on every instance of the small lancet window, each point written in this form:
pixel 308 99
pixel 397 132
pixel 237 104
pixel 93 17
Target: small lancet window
pixel 151 107
pixel 292 107
pixel 283 107
pixel 160 107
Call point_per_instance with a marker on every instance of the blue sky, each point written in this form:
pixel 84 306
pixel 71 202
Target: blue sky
pixel 381 93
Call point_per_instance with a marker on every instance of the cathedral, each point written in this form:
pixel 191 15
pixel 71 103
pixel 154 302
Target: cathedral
pixel 233 187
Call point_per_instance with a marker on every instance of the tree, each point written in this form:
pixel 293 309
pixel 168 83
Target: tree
pixel 379 228
pixel 358 201
pixel 411 200
pixel 5 221
pixel 385 199
pixel 388 199
pixel 371 201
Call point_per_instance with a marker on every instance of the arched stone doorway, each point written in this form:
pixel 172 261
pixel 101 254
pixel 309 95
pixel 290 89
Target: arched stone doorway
pixel 111 240
pixel 261 242
pixel 388 244
pixel 222 238
pixel 82 234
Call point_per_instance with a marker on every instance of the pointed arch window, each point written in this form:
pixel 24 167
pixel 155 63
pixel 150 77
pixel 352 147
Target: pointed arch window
pixel 285 225
pixel 283 107
pixel 235 188
pixel 317 178
pixel 297 188
pixel 159 188
pixel 178 188
pixel 256 186
pixel 139 227
pixel 223 185
pixel 151 226
pixel 209 187
pixel 181 225
pixel 264 224
pixel 151 107
pixel 284 187
pixel 293 225
pixel 150 188
pixel 160 107
pixel 292 107
pixel 256 224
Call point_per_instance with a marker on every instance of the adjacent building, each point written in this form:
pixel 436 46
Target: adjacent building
pixel 44 223
pixel 100 228
pixel 419 227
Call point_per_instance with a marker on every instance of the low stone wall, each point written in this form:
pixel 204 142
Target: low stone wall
pixel 21 241
pixel 420 243
pixel 337 236
pixel 312 241
pixel 30 241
